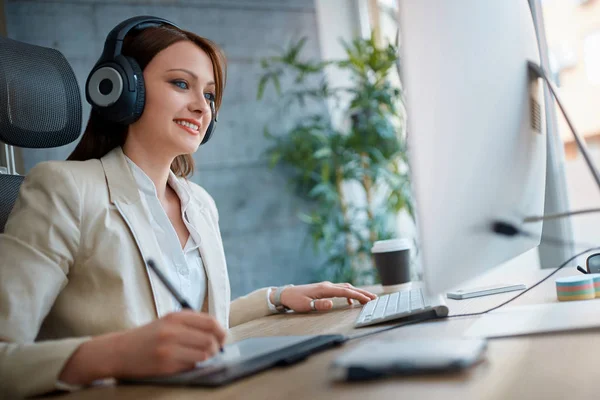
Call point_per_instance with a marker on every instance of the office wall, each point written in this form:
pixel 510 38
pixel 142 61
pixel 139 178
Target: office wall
pixel 262 235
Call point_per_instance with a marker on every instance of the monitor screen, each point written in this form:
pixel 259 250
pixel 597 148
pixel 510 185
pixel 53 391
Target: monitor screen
pixel 476 131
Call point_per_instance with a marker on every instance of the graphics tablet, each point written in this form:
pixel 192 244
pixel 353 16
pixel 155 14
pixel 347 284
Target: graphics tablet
pixel 247 357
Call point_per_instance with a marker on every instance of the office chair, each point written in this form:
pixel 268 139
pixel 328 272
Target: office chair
pixel 40 106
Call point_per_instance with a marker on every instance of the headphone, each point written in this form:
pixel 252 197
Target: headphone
pixel 115 86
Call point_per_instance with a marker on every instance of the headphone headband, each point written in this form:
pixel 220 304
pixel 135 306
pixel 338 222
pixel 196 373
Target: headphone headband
pixel 114 40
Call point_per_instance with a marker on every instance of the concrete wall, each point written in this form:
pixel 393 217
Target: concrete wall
pixel 262 235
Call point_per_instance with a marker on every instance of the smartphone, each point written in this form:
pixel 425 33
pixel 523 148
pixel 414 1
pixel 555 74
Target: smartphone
pixel 484 290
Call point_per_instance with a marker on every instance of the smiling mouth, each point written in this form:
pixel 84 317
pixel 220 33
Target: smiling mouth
pixel 188 126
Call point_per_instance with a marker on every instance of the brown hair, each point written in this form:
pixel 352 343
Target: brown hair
pixel 101 135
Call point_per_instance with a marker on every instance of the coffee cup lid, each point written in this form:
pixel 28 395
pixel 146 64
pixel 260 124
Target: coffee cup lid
pixel 383 246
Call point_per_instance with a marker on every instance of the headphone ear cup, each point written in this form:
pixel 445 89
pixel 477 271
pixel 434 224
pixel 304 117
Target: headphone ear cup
pixel 108 90
pixel 105 85
pixel 211 126
pixel 140 89
pixel 209 131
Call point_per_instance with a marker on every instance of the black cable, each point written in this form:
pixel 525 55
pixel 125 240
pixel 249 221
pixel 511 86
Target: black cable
pixel 528 289
pixel 404 323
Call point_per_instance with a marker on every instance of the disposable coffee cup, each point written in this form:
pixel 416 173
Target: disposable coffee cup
pixel 392 260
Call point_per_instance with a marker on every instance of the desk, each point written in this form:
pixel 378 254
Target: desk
pixel 557 366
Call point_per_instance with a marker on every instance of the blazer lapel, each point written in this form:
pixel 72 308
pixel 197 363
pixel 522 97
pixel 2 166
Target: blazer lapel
pixel 125 196
pixel 207 235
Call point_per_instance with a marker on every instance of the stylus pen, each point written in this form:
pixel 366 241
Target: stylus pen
pixel 170 288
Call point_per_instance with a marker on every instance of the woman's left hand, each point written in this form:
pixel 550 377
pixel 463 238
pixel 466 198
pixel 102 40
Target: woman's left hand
pixel 299 298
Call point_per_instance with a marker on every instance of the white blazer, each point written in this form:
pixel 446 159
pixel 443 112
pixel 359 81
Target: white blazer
pixel 72 266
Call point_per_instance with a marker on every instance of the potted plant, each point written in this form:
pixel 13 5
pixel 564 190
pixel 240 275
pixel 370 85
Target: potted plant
pixel 355 174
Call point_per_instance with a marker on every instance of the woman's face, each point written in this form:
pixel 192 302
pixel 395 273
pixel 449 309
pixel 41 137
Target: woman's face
pixel 179 87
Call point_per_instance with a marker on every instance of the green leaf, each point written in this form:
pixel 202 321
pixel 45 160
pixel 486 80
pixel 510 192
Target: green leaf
pixel 319 189
pixel 323 153
pixel 275 158
pixel 305 218
pixel 325 172
pixel 266 133
pixel 261 86
pixel 277 84
pixel 295 49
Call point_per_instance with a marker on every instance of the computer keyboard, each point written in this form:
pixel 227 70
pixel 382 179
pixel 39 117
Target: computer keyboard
pixel 400 305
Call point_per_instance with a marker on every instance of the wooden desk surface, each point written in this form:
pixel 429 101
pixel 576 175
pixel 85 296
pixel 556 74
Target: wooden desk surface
pixel 551 366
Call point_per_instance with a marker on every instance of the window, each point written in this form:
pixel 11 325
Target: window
pixel 591 57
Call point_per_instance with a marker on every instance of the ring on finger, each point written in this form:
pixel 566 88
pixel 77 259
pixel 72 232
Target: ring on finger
pixel 312 305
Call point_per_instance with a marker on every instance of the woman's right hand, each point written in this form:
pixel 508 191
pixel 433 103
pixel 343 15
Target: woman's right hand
pixel 171 344
pixel 168 345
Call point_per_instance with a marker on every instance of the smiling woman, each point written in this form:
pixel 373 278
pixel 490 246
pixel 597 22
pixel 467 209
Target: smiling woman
pixel 77 302
pixel 192 66
pixel 177 108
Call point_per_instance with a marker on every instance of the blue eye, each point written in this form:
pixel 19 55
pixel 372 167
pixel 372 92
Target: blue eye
pixel 180 84
pixel 209 96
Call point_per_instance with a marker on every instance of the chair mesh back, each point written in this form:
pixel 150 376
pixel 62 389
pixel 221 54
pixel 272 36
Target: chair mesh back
pixel 40 105
pixel 9 190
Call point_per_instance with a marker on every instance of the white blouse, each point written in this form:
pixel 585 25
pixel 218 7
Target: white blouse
pixel 182 267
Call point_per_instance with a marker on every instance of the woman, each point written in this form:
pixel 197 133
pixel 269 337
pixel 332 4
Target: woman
pixel 77 303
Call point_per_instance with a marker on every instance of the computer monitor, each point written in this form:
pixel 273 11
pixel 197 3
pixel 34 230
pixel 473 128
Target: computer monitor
pixel 476 132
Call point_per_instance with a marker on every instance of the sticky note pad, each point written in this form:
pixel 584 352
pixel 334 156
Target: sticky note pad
pixel 596 278
pixel 579 287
